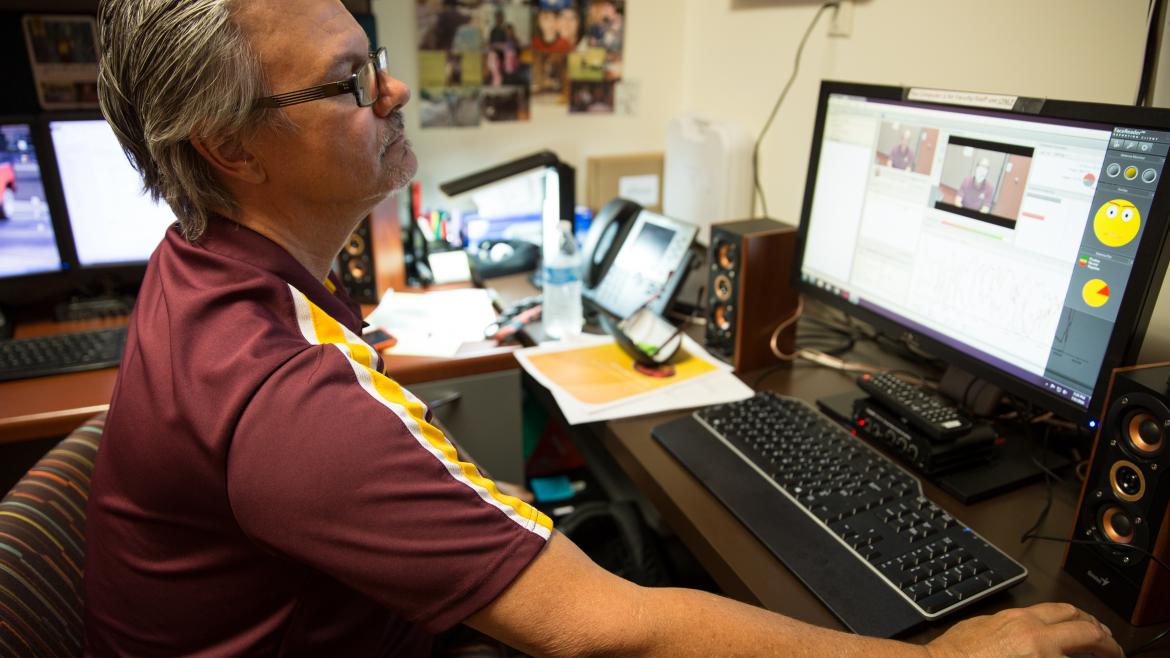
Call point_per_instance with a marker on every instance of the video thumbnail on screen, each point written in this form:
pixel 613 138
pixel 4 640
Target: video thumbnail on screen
pixel 27 242
pixel 983 180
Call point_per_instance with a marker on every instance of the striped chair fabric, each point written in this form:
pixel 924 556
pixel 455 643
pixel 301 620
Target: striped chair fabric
pixel 42 550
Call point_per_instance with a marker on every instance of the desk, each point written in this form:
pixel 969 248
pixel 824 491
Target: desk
pixel 747 571
pixel 54 406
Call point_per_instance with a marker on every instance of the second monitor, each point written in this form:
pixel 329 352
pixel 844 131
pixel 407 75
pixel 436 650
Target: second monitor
pixel 112 220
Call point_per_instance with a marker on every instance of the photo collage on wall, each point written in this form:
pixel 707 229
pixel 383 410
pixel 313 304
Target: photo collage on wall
pixel 489 60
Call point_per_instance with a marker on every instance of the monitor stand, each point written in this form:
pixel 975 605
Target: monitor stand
pixel 1009 467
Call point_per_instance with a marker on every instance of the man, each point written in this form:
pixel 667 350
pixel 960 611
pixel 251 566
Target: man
pixel 901 156
pixel 262 488
pixel 977 192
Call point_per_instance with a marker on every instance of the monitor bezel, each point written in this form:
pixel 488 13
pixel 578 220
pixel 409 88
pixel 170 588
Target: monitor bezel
pixel 1136 305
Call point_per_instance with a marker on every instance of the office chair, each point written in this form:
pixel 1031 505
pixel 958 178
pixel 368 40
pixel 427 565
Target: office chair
pixel 42 549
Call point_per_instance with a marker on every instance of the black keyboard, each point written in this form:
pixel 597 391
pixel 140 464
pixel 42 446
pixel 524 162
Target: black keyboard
pixel 851 497
pixel 23 358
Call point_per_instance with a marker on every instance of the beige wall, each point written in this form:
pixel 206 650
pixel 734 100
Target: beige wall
pixel 729 59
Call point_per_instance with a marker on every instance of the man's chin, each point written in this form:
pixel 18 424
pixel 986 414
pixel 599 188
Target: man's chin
pixel 400 173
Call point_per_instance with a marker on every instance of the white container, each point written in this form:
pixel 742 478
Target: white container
pixel 562 315
pixel 707 172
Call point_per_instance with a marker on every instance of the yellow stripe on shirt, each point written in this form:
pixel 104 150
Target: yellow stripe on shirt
pixel 319 328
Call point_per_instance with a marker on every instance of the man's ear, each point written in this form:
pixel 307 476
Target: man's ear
pixel 231 158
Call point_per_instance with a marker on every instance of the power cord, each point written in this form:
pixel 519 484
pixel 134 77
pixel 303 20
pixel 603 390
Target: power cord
pixel 776 108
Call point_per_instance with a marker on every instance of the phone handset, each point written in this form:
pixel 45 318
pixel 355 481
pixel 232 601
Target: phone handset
pixel 605 237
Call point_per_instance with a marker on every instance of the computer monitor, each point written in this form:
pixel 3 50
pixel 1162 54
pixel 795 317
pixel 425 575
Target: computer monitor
pixel 111 219
pixel 28 241
pixel 1022 240
pixel 522 199
pixel 512 209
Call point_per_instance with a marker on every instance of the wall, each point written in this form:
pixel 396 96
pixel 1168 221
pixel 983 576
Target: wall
pixel 652 59
pixel 739 53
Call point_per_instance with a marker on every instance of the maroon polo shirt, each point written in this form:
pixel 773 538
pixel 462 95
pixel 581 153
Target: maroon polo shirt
pixel 262 488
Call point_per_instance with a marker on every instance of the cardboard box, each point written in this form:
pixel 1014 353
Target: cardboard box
pixel 636 176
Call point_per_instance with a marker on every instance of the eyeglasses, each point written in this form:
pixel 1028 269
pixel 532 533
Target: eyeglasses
pixel 363 84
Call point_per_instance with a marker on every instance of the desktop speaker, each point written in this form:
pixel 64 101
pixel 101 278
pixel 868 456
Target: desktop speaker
pixel 748 290
pixel 355 264
pixel 372 260
pixel 1124 513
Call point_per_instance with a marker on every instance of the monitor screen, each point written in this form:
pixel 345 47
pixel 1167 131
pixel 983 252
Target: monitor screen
pixel 513 208
pixel 28 244
pixel 113 220
pixel 1007 238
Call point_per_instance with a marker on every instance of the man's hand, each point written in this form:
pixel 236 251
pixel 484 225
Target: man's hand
pixel 1047 629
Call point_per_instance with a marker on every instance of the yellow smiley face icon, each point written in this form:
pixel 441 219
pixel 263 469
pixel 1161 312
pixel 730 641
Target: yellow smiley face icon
pixel 1116 223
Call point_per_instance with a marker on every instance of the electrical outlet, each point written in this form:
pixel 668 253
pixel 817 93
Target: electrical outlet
pixel 841 22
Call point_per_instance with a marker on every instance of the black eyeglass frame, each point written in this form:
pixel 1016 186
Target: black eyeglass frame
pixel 378 60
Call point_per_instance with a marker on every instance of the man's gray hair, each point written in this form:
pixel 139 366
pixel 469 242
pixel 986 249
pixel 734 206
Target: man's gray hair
pixel 171 70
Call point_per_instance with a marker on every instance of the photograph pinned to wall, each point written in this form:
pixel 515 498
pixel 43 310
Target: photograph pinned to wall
pixel 550 84
pixel 595 65
pixel 505 103
pixel 605 29
pixel 449 107
pixel 556 33
pixel 467 47
pixel 626 97
pixel 63 54
pixel 591 97
pixel 442 24
pixel 507 59
pixel 450 62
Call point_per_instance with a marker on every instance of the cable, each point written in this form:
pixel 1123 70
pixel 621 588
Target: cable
pixel 776 108
pixel 1150 57
pixel 1048 478
pixel 774 341
pixel 1151 642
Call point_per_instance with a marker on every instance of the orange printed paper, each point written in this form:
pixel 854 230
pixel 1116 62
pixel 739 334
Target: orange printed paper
pixel 604 374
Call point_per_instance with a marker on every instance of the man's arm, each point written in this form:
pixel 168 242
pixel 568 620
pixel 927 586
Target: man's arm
pixel 565 605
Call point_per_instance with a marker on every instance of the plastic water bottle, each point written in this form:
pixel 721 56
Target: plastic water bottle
pixel 561 315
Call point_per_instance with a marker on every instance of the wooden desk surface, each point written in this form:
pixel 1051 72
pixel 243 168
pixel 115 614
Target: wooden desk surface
pixel 53 406
pixel 746 570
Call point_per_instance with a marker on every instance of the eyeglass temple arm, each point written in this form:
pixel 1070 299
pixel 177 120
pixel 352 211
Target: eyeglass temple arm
pixel 305 95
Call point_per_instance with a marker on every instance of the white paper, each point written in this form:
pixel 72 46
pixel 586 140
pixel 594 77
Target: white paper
pixel 449 266
pixel 970 99
pixel 641 189
pixel 715 388
pixel 434 323
pixel 712 388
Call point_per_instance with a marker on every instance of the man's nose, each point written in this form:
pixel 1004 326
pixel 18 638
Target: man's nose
pixel 392 95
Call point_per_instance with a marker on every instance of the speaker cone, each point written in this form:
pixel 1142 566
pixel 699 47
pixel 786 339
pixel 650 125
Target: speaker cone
pixel 722 317
pixel 1116 525
pixel 356 245
pixel 356 269
pixel 722 287
pixel 1144 433
pixel 1127 481
pixel 725 255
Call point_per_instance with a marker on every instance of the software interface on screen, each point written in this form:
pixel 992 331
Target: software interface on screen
pixel 1009 239
pixel 513 208
pixel 112 219
pixel 27 242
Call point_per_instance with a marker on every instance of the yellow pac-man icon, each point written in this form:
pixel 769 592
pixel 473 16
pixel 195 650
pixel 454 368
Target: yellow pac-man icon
pixel 1095 292
pixel 1117 222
